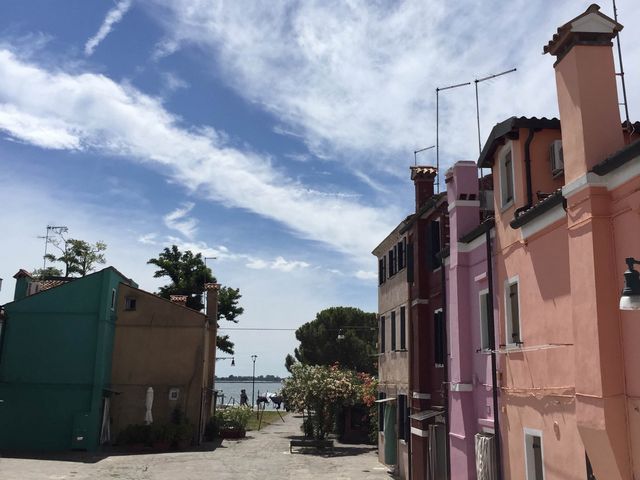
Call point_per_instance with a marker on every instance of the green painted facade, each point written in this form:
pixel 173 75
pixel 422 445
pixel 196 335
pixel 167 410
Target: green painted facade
pixel 55 364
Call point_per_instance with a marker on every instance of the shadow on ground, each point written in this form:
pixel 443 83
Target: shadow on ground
pixel 95 457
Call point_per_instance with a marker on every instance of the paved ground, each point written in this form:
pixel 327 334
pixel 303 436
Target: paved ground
pixel 262 455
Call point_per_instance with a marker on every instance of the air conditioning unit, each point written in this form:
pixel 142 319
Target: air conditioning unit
pixel 556 159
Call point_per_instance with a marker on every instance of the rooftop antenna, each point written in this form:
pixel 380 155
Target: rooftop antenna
pixel 416 152
pixel 630 128
pixel 477 81
pixel 438 90
pixel 51 229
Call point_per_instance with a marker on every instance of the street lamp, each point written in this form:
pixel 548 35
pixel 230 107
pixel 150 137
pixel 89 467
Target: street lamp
pixel 233 360
pixel 630 298
pixel 253 382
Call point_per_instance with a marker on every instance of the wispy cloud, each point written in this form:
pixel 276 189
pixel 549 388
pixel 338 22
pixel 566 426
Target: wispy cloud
pixel 357 79
pixel 113 16
pixel 92 112
pixel 279 263
pixel 148 239
pixel 179 220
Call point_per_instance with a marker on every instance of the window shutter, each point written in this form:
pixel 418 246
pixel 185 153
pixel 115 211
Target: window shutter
pixel 410 267
pixel 403 329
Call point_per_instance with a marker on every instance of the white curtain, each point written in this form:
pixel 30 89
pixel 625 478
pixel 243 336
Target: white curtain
pixel 148 403
pixel 105 432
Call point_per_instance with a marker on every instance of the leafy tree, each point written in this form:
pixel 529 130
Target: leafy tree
pixel 78 256
pixel 345 335
pixel 188 274
pixel 323 391
pixel 42 273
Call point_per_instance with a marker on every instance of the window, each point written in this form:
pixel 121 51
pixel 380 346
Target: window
pixel 434 244
pixel 392 263
pixel 403 329
pixel 506 177
pixel 382 273
pixel 393 331
pixel 129 303
pixel 382 335
pixel 439 338
pixel 512 310
pixel 403 418
pixel 534 461
pixel 381 396
pixel 410 263
pixel 113 299
pixel 485 333
pixel 402 249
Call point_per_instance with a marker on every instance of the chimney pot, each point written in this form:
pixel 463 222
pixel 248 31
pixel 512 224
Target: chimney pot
pixel 423 179
pixel 179 299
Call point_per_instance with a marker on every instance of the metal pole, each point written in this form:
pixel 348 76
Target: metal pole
pixel 253 382
pixel 478 118
pixel 438 129
pixel 621 74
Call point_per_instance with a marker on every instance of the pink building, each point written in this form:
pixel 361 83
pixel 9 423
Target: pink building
pixel 472 399
pixel 567 214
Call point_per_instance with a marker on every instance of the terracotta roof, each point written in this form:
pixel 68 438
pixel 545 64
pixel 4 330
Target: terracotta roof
pixel 22 273
pixel 538 209
pixel 510 127
pixel 468 237
pixel 428 205
pixel 622 156
pixel 562 42
pixel 49 283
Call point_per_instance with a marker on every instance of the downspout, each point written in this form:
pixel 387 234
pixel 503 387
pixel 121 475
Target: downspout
pixel 527 169
pixel 492 346
pixel 410 392
pixel 446 362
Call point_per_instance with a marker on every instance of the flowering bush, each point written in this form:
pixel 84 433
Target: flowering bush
pixel 322 391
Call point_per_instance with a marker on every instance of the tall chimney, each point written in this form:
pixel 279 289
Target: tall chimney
pixel 23 279
pixel 423 181
pixel 587 92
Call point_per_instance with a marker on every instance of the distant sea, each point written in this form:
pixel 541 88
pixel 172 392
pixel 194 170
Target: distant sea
pixel 231 391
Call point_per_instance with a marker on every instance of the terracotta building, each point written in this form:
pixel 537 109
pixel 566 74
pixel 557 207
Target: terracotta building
pixel 566 213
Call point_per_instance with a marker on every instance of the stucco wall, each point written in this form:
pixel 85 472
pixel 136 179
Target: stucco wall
pixel 160 345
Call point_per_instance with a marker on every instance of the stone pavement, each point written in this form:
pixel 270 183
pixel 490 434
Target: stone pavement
pixel 262 455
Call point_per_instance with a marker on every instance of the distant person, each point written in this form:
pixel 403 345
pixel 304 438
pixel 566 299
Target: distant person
pixel 244 399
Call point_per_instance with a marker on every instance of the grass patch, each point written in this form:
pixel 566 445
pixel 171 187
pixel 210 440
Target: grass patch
pixel 268 417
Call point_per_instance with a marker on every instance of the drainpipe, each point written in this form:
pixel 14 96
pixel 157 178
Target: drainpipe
pixel 446 360
pixel 527 169
pixel 492 346
pixel 410 359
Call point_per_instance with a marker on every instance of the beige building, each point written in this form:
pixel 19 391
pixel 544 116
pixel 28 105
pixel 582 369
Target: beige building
pixel 164 345
pixel 393 341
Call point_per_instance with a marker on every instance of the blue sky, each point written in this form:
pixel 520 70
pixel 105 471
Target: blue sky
pixel 275 136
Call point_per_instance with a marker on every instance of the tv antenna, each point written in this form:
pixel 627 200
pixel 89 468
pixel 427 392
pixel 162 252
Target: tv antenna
pixel 416 152
pixel 629 127
pixel 51 229
pixel 480 80
pixel 438 90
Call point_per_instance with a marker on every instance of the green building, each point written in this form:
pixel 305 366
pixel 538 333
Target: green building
pixel 55 362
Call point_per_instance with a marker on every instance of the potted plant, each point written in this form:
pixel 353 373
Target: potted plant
pixel 234 421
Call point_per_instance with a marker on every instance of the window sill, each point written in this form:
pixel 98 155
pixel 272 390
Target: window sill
pixel 506 206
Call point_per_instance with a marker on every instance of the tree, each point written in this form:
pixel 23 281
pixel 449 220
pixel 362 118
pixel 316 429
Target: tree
pixel 345 335
pixel 78 256
pixel 42 273
pixel 323 391
pixel 188 274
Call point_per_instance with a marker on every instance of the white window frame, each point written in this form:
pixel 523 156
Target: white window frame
pixel 504 204
pixel 507 313
pixel 484 325
pixel 529 461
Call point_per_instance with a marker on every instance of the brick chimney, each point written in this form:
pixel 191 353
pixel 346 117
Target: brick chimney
pixel 587 92
pixel 423 179
pixel 179 299
pixel 23 280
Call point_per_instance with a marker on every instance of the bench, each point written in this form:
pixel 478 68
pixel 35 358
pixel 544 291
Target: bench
pixel 309 443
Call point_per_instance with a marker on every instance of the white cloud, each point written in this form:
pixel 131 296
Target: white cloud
pixel 148 239
pixel 357 79
pixel 113 16
pixel 179 221
pixel 366 275
pixel 102 115
pixel 278 264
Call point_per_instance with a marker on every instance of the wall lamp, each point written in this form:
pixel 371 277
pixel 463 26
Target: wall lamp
pixel 233 360
pixel 630 298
